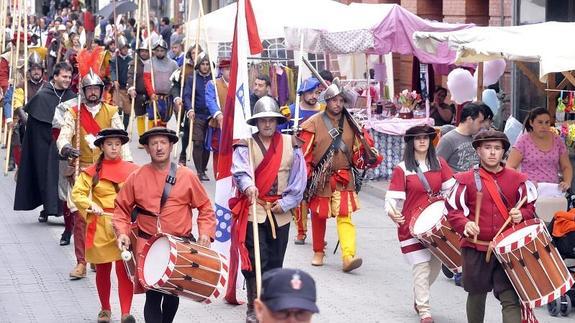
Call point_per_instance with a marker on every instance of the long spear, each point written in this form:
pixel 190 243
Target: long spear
pixel 136 57
pixel 191 120
pixel 14 73
pixel 154 102
pixel 183 76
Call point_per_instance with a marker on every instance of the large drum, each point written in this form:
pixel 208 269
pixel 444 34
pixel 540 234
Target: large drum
pixel 532 263
pixel 429 225
pixel 180 267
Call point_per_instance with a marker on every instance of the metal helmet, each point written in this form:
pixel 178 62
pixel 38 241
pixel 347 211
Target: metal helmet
pixel 144 45
pixel 161 43
pixel 34 60
pixel 266 107
pixel 332 90
pixel 122 42
pixel 202 56
pixel 91 79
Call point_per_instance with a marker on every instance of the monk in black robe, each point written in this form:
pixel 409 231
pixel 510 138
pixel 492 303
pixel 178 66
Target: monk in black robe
pixel 37 180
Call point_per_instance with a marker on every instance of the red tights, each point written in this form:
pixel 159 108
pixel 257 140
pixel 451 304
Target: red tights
pixel 125 287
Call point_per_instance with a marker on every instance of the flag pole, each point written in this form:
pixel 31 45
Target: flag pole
pixel 299 78
pixel 183 75
pixel 190 120
pixel 256 235
pixel 136 57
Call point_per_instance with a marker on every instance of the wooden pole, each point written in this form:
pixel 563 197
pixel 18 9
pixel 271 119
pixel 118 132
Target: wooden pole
pixel 14 72
pixel 154 102
pixel 25 53
pixel 183 75
pixel 257 257
pixel 190 120
pixel 479 81
pixel 299 79
pixel 136 58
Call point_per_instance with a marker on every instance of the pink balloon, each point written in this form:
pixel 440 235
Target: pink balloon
pixel 492 71
pixel 462 85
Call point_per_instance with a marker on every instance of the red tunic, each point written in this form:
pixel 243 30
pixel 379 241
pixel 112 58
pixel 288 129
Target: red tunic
pixel 461 203
pixel 406 186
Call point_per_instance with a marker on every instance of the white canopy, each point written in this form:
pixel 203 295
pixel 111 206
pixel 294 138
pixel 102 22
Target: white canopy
pixel 544 43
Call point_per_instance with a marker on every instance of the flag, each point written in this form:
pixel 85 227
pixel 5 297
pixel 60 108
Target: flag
pixel 237 110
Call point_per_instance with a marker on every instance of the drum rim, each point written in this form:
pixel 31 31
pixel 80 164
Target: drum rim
pixel 169 268
pixel 520 243
pixel 417 214
pixel 555 294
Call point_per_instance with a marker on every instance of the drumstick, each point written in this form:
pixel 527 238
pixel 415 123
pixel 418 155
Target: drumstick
pixel 478 200
pixel 394 211
pixel 517 206
pixel 103 213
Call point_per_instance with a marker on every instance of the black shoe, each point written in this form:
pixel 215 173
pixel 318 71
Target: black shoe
pixel 65 238
pixel 43 217
pixel 446 272
pixel 203 177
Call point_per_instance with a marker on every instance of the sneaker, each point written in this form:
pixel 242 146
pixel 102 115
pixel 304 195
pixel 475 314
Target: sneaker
pixel 65 238
pixel 79 272
pixel 104 316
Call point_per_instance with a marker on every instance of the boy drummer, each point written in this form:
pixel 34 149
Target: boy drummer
pixel 502 190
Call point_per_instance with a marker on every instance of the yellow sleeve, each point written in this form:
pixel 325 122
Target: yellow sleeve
pixel 81 193
pixel 18 98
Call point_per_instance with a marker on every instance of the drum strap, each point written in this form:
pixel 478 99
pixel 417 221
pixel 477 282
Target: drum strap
pixel 170 182
pixel 423 180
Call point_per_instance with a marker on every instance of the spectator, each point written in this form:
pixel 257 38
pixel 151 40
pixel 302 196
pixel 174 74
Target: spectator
pixel 176 53
pixel 286 293
pixel 540 153
pixel 178 35
pixel 441 112
pixel 261 88
pixel 166 30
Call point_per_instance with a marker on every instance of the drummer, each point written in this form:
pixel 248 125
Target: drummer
pixel 502 189
pixel 93 194
pixel 409 188
pixel 162 180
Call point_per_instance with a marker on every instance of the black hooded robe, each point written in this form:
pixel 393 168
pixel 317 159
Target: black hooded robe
pixel 37 182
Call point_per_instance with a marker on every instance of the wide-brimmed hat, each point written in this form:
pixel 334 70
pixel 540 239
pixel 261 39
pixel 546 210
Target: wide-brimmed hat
pixel 491 135
pixel 266 107
pixel 423 130
pixel 111 133
pixel 158 131
pixel 284 289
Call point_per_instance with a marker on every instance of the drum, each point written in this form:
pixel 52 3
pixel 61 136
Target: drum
pixel 532 263
pixel 429 225
pixel 180 267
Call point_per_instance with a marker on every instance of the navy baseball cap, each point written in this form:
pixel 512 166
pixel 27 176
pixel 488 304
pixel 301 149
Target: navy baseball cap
pixel 284 288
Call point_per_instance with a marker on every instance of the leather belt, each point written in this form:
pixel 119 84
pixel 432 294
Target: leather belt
pixel 268 208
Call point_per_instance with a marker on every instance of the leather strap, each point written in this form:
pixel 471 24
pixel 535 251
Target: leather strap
pixel 423 180
pixel 335 133
pixel 170 182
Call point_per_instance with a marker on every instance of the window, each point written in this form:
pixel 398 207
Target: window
pixel 276 48
pixel 317 61
pixel 225 50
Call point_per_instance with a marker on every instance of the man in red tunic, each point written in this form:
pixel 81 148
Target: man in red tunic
pixel 143 191
pixel 502 189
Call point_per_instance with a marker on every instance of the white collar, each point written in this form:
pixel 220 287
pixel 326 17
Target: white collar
pixel 93 110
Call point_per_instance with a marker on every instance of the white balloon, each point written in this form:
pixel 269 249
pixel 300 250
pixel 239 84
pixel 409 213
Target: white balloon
pixel 492 71
pixel 461 85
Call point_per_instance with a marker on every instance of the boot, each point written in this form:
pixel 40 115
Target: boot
pixel 350 263
pixel 318 258
pixel 79 272
pixel 252 294
pixel 65 238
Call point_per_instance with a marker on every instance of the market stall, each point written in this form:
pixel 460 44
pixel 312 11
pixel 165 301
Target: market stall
pixel 383 29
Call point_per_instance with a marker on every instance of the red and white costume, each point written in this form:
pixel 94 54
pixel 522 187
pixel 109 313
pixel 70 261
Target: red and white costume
pixel 406 187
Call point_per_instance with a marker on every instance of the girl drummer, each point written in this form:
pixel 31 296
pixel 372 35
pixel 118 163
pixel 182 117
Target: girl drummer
pixel 94 194
pixel 407 187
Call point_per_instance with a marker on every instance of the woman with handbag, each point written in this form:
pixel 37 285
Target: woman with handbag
pixel 94 194
pixel 419 176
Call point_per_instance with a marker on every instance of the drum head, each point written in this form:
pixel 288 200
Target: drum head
pixel 518 235
pixel 429 217
pixel 156 261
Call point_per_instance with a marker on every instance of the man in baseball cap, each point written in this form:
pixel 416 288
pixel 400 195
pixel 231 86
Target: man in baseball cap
pixel 288 295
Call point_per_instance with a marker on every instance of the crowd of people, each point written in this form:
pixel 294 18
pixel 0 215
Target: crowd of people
pixel 90 80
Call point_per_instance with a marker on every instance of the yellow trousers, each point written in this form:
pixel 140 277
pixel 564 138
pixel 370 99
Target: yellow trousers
pixel 346 235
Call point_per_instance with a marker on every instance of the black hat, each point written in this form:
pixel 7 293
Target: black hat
pixel 158 131
pixel 491 135
pixel 423 130
pixel 111 133
pixel 284 288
